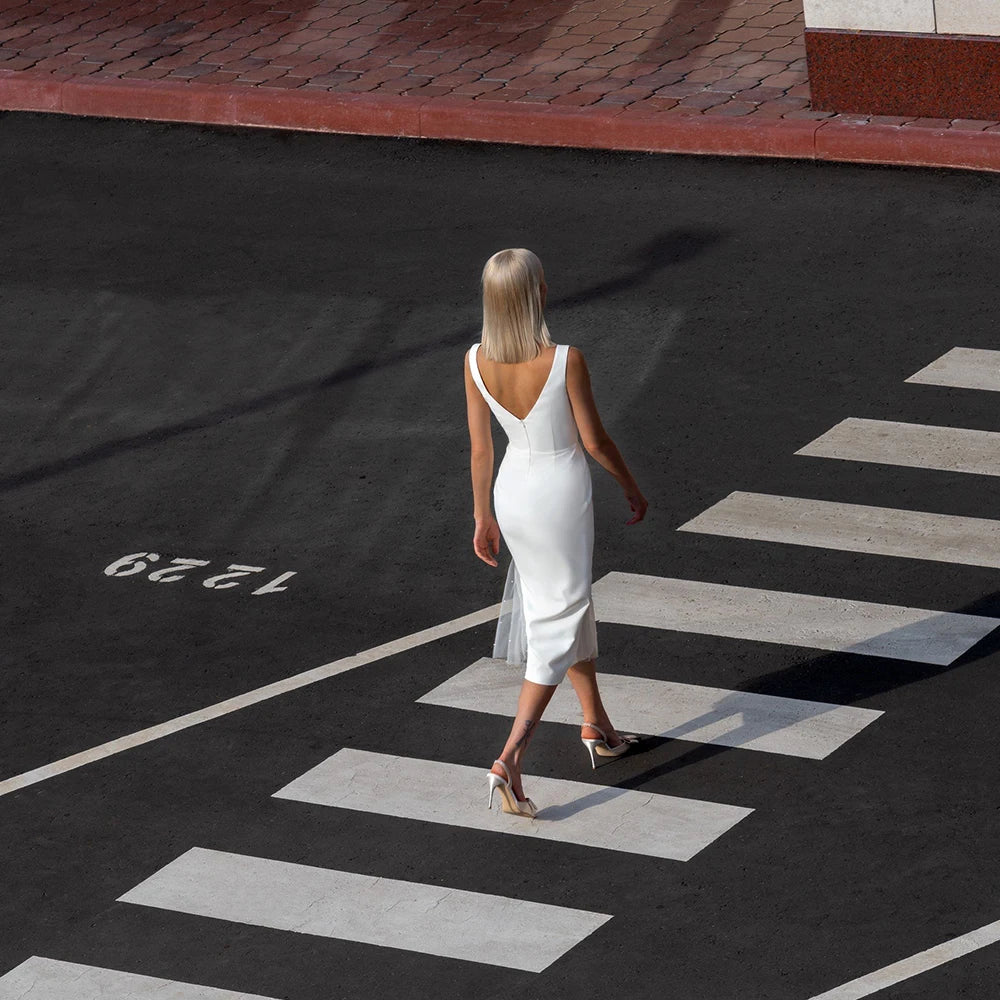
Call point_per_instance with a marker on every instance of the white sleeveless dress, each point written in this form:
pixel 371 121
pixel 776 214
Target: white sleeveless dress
pixel 542 500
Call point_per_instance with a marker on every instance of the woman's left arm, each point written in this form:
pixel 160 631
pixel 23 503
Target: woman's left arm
pixel 486 541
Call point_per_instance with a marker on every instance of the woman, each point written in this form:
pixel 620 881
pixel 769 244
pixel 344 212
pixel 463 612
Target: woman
pixel 540 393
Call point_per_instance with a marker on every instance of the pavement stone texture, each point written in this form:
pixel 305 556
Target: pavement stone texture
pixel 710 58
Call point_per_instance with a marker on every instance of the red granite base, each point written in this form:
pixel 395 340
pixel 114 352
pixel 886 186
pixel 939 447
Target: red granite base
pixel 915 75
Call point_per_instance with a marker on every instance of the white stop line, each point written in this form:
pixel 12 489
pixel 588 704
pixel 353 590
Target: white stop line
pixel 272 690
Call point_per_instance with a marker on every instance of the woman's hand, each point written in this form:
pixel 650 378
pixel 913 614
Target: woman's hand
pixel 487 539
pixel 638 504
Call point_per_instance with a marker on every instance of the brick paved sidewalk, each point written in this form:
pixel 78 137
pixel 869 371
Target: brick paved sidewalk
pixel 656 74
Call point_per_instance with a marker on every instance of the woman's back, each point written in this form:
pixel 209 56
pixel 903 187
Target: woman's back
pixel 538 388
pixel 517 386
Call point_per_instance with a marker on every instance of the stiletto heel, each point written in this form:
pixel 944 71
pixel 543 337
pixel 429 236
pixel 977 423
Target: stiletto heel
pixel 494 780
pixel 509 802
pixel 601 746
pixel 590 744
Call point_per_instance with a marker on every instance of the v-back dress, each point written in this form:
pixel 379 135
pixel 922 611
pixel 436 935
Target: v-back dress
pixel 543 503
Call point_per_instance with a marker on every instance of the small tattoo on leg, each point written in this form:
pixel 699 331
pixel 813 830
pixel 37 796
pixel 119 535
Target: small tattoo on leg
pixel 527 729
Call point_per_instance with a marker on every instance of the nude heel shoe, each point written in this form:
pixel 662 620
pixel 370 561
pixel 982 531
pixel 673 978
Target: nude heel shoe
pixel 510 803
pixel 601 746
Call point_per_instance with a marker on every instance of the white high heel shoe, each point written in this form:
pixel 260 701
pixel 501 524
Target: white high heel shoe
pixel 510 803
pixel 601 746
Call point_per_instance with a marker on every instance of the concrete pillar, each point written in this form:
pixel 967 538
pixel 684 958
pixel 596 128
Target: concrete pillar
pixel 915 58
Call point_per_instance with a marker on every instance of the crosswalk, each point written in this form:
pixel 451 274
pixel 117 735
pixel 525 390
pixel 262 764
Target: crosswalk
pixel 671 710
pixel 919 446
pixel 435 920
pixel 452 922
pixel 573 812
pixel 861 627
pixel 962 368
pixel 851 527
pixel 48 979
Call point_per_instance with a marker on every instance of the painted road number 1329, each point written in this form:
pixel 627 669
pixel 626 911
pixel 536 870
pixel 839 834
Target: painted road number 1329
pixel 137 562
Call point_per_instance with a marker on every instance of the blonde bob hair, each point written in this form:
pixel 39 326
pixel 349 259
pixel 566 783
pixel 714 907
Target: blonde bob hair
pixel 513 325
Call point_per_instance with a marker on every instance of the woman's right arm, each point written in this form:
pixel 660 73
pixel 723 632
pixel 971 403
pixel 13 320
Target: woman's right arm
pixel 595 438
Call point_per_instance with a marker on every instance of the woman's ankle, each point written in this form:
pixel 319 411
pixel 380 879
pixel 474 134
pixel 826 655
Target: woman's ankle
pixel 600 730
pixel 504 764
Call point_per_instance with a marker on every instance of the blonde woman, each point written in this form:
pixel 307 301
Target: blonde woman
pixel 540 394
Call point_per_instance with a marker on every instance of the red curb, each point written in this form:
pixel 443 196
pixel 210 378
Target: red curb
pixel 911 145
pixel 21 92
pixel 564 125
pixel 216 104
pixel 715 135
pixel 144 99
pixel 484 120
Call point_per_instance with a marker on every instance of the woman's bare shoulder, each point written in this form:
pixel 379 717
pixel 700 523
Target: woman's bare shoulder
pixel 576 363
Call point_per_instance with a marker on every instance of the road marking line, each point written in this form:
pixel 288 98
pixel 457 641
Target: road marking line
pixel 912 534
pixel 435 920
pixel 48 979
pixel 763 722
pixel 573 812
pixel 907 968
pixel 920 446
pixel 962 368
pixel 272 690
pixel 793 619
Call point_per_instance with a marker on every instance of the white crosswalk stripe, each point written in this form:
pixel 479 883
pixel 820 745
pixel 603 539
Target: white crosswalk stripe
pixel 921 446
pixel 962 368
pixel 47 979
pixel 572 812
pixel 793 619
pixel 973 541
pixel 810 729
pixel 412 916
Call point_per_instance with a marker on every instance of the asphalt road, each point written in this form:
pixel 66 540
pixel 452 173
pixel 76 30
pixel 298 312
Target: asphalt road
pixel 244 347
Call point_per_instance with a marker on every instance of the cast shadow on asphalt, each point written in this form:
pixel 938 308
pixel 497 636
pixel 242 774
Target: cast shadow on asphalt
pixel 663 251
pixel 835 678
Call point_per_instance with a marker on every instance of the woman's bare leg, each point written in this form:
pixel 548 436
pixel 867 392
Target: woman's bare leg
pixel 531 703
pixel 583 676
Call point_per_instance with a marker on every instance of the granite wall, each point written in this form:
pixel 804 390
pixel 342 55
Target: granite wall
pixel 914 58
